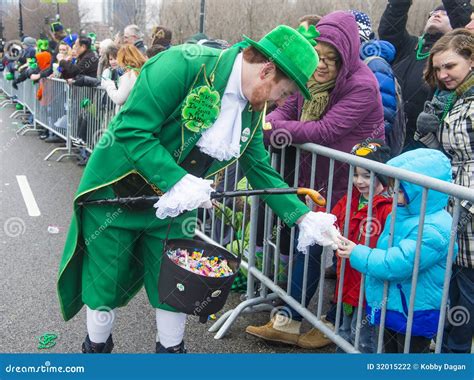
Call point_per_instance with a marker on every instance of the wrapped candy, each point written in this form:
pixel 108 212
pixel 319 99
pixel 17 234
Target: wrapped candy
pixel 196 262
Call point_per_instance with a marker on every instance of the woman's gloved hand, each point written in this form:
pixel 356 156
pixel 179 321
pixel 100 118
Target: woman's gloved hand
pixel 427 121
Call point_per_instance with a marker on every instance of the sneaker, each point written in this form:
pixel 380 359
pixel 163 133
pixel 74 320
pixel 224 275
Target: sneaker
pixel 313 339
pixel 267 332
pixel 179 349
pixel 89 347
pixel 53 139
pixel 83 161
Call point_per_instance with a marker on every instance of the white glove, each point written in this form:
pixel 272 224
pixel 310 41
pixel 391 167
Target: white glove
pixel 187 194
pixel 317 228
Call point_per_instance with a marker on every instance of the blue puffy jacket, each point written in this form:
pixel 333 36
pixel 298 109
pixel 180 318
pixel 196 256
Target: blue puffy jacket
pixel 396 264
pixel 382 70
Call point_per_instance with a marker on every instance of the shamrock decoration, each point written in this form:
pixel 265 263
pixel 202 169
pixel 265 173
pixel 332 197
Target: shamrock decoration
pixel 310 34
pixel 42 45
pixel 32 63
pixel 201 108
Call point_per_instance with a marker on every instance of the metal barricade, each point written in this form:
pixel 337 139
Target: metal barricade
pixel 7 88
pixel 267 275
pixel 30 102
pixel 91 112
pixel 52 113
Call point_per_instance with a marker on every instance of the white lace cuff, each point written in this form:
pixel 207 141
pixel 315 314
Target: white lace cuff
pixel 317 228
pixel 187 194
pixel 218 147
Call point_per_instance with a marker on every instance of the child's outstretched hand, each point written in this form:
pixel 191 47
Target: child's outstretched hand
pixel 345 247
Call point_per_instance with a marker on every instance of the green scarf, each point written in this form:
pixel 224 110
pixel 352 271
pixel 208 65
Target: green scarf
pixel 467 86
pixel 443 100
pixel 314 108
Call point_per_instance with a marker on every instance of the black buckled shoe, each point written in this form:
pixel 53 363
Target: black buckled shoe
pixel 179 349
pixel 89 347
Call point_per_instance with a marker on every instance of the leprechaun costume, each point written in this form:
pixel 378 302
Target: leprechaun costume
pixel 157 145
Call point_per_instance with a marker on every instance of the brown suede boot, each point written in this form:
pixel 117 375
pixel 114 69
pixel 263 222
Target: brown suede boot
pixel 313 339
pixel 269 333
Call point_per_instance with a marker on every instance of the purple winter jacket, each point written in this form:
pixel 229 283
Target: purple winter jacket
pixel 354 112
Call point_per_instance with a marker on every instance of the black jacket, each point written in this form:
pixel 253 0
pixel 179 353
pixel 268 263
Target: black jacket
pixel 86 65
pixel 140 45
pixel 409 70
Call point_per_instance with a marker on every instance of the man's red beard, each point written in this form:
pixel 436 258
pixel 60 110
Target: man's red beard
pixel 259 97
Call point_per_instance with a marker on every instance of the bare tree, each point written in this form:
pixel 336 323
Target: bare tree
pixel 37 17
pixel 225 19
pixel 229 19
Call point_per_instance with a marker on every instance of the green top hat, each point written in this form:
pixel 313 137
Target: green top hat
pixel 292 52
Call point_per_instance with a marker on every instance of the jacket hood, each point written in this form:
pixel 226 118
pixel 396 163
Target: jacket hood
pixel 340 30
pixel 428 162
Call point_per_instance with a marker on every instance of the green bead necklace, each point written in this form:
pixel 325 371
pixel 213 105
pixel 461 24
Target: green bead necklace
pixel 420 56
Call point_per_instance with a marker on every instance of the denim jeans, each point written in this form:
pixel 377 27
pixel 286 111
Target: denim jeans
pixel 314 270
pixel 459 328
pixel 368 332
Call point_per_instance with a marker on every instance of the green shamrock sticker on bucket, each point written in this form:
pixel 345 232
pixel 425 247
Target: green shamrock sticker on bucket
pixel 201 109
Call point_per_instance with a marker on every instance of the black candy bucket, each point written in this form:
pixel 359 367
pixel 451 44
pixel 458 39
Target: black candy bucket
pixel 192 293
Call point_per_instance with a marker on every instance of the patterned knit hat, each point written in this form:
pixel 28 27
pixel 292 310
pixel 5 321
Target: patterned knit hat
pixel 364 24
pixel 375 150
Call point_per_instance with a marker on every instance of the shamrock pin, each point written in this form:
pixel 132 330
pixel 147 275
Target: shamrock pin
pixel 201 109
pixel 310 34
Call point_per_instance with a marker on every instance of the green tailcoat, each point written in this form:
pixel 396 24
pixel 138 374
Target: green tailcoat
pixel 147 137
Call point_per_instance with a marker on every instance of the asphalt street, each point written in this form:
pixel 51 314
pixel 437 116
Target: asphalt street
pixel 30 257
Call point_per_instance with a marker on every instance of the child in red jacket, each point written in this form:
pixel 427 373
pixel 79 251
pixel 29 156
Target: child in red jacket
pixel 358 227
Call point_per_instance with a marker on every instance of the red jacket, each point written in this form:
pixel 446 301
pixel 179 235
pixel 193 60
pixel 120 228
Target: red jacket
pixel 382 206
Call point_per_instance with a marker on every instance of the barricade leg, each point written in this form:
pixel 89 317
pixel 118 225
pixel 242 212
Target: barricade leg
pixel 249 306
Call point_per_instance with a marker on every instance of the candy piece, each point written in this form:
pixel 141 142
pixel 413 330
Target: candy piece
pixel 214 266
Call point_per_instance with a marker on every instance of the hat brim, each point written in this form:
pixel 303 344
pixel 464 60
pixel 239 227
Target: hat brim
pixel 270 55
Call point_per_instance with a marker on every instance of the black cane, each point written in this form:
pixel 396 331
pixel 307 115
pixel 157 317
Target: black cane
pixel 151 200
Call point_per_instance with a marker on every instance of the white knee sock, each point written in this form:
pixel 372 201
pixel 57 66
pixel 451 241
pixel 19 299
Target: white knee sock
pixel 99 324
pixel 170 327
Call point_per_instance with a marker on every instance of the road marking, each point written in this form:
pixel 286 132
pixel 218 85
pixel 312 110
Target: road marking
pixel 28 197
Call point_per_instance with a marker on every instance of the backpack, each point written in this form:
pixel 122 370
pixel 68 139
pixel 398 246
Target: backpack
pixel 395 138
